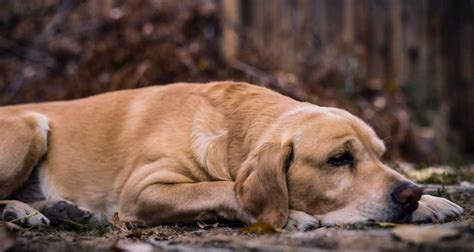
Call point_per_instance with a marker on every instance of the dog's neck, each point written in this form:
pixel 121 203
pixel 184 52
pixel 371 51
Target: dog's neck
pixel 248 125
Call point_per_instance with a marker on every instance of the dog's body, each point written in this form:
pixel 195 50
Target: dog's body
pixel 168 154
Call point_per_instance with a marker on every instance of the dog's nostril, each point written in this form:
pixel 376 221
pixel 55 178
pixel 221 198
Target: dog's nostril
pixel 408 195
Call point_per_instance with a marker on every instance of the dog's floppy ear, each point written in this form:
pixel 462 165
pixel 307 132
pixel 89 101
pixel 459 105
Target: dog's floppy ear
pixel 261 184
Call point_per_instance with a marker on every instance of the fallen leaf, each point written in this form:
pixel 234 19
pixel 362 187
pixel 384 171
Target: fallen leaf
pixel 387 224
pixel 123 245
pixel 259 228
pixel 425 234
pixel 124 225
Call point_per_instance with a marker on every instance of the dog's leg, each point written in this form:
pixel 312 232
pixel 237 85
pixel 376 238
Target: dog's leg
pixel 301 221
pixel 166 197
pixel 183 203
pixel 23 141
pixel 22 214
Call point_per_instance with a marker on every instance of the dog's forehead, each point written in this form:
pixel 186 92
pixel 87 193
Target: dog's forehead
pixel 359 129
pixel 333 125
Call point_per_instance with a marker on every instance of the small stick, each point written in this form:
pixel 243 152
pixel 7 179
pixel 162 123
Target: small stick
pixel 25 217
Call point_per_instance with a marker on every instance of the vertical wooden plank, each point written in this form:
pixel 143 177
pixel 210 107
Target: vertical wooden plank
pixel 348 31
pixel 378 46
pixel 303 45
pixel 256 32
pixel 334 20
pixel 411 40
pixel 230 15
pixel 362 38
pixel 304 28
pixel 436 74
pixel 395 74
pixel 458 82
pixel 319 22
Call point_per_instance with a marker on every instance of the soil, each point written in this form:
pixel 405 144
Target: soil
pixel 453 236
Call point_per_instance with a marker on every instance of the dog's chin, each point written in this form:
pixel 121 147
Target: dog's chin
pixel 349 216
pixel 328 221
pixel 397 215
pixel 362 219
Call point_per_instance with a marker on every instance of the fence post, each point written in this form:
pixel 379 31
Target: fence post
pixel 230 16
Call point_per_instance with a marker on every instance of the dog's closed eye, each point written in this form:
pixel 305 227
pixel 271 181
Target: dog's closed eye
pixel 343 159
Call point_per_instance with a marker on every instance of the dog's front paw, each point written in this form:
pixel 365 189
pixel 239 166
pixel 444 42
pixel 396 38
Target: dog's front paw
pixel 66 215
pixel 21 214
pixel 301 221
pixel 435 209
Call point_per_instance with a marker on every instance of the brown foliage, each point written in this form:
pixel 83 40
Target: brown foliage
pixel 55 50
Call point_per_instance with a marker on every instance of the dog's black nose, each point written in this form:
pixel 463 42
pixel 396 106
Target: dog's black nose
pixel 407 196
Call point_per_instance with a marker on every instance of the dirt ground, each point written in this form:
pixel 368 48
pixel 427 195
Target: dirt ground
pixel 453 236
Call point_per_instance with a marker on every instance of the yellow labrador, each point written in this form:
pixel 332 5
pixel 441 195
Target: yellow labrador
pixel 168 154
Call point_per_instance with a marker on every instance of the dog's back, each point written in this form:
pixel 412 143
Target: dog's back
pixel 95 143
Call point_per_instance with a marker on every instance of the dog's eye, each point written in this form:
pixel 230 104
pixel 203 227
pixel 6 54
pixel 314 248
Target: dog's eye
pixel 345 158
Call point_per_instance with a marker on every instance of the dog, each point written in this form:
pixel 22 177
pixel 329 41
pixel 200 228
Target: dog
pixel 169 154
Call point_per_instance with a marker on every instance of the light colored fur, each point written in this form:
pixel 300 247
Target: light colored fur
pixel 167 154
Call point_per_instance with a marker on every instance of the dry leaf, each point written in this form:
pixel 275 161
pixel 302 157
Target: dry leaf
pixel 387 224
pixel 124 225
pixel 425 234
pixel 259 228
pixel 124 245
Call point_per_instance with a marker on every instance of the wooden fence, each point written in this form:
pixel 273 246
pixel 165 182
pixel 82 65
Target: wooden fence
pixel 424 48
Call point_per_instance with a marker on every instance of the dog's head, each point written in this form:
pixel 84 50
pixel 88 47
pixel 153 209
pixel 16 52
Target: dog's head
pixel 325 162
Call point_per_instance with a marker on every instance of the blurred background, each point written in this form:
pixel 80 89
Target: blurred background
pixel 404 66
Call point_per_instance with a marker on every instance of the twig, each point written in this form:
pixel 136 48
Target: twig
pixel 25 217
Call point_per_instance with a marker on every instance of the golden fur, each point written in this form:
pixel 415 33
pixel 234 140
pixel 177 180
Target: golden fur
pixel 167 154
